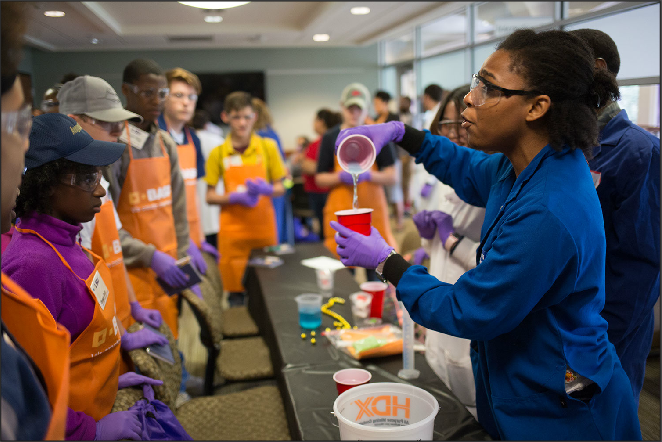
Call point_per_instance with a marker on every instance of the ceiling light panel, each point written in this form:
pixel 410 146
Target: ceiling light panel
pixel 213 19
pixel 214 5
pixel 54 14
pixel 321 37
pixel 360 10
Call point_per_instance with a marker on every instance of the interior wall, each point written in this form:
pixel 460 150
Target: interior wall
pixel 298 80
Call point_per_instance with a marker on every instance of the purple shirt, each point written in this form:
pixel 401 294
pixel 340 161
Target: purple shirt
pixel 35 266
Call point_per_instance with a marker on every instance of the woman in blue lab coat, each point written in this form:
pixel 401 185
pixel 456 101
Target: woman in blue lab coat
pixel 543 365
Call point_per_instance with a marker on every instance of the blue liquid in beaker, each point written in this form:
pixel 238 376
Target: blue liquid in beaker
pixel 310 319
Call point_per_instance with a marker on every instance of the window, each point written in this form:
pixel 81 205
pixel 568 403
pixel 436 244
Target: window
pixel 498 19
pixel 642 104
pixel 444 34
pixel 576 9
pixel 448 70
pixel 399 49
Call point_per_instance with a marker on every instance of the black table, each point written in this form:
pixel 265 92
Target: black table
pixel 305 371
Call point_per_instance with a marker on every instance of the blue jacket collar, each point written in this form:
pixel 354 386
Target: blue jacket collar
pixel 530 170
pixel 613 131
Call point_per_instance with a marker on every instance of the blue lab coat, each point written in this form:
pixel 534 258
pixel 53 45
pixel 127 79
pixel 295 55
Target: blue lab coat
pixel 532 305
pixel 628 166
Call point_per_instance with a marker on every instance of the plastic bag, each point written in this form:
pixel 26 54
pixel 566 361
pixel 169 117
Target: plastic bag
pixel 368 342
pixel 157 420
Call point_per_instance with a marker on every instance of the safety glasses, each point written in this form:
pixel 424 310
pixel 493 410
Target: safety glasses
pixel 482 91
pixel 85 181
pixel 18 121
pixel 150 93
pixel 109 127
pixel 447 126
pixel 179 96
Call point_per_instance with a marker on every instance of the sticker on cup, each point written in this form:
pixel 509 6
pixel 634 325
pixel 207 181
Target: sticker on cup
pixel 350 377
pixel 361 304
pixel 357 220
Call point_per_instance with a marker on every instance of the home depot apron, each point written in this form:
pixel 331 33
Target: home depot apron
pixel 145 209
pixel 371 196
pixel 244 228
pixel 95 354
pixel 47 343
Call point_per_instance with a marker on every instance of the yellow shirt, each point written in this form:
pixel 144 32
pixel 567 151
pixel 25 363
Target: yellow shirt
pixel 215 165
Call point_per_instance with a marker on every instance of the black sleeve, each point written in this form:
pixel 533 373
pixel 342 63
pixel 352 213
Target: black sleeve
pixel 325 159
pixel 394 267
pixel 412 139
pixel 386 157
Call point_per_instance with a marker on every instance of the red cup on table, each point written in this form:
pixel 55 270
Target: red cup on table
pixel 357 220
pixel 377 290
pixel 350 377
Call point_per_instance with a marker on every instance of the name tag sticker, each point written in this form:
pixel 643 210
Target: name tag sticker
pixel 100 290
pixel 138 136
pixel 232 161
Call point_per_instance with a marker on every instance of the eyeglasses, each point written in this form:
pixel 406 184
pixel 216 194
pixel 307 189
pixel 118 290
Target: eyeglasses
pixel 482 90
pixel 180 96
pixel 150 93
pixel 110 127
pixel 85 181
pixel 18 121
pixel 445 126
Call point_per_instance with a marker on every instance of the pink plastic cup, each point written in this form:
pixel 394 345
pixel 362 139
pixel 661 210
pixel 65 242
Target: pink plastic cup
pixel 350 377
pixel 357 220
pixel 376 289
pixel 356 154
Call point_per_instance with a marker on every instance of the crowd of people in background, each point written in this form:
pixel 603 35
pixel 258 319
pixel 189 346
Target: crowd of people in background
pixel 94 190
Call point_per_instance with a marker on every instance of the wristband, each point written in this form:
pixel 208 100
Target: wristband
pixel 454 246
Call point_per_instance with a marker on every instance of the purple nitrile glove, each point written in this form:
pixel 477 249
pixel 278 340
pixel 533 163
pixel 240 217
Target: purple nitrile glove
pixel 244 199
pixel 259 187
pixel 356 249
pixel 426 190
pixel 141 339
pixel 379 134
pixel 196 257
pixel 346 177
pixel 148 316
pixel 132 379
pixel 119 425
pixel 208 248
pixel 198 292
pixel 419 256
pixel 165 266
pixel 444 223
pixel 426 227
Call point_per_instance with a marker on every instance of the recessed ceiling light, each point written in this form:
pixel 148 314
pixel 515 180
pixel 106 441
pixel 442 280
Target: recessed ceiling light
pixel 213 19
pixel 94 41
pixel 321 37
pixel 213 5
pixel 360 10
pixel 54 14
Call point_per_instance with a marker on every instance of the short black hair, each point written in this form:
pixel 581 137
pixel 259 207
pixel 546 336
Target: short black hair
pixel 383 96
pixel 200 118
pixel 139 67
pixel 561 65
pixel 330 118
pixel 35 195
pixel 603 47
pixel 434 91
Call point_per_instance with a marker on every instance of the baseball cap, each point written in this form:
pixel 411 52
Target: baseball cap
pixel 54 136
pixel 94 97
pixel 355 94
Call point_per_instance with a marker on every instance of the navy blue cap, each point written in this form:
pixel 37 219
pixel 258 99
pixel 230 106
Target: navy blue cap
pixel 54 136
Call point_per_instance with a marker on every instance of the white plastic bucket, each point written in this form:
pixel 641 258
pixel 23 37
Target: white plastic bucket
pixel 386 411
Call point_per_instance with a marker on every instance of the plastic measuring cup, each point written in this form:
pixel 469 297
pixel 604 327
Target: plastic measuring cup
pixel 376 289
pixel 360 306
pixel 325 280
pixel 358 220
pixel 310 310
pixel 350 377
pixel 356 154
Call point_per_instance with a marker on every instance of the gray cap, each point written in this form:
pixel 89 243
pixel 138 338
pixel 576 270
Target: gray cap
pixel 94 97
pixel 354 94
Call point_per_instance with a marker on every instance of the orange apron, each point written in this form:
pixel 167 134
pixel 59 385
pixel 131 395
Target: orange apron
pixel 244 228
pixel 371 196
pixel 188 163
pixel 95 354
pixel 47 343
pixel 145 209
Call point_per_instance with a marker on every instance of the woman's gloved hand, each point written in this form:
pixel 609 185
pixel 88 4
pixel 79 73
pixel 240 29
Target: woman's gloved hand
pixel 380 134
pixel 419 256
pixel 444 223
pixel 208 248
pixel 346 177
pixel 355 249
pixel 119 425
pixel 197 290
pixel 141 339
pixel 244 198
pixel 132 379
pixel 196 257
pixel 426 190
pixel 165 266
pixel 259 187
pixel 148 316
pixel 424 224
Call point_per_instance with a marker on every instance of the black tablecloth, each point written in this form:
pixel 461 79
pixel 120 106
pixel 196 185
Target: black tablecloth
pixel 305 371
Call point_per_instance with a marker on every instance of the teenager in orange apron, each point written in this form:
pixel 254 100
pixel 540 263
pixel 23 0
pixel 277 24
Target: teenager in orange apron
pixel 47 343
pixel 153 223
pixel 371 196
pixel 244 228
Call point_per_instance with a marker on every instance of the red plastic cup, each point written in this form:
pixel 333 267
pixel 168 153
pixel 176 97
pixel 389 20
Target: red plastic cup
pixel 356 154
pixel 357 220
pixel 376 289
pixel 350 377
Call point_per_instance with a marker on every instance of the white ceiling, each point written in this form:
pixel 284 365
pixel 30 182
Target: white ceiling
pixel 159 25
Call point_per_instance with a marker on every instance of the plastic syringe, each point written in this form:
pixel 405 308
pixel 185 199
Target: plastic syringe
pixel 408 371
